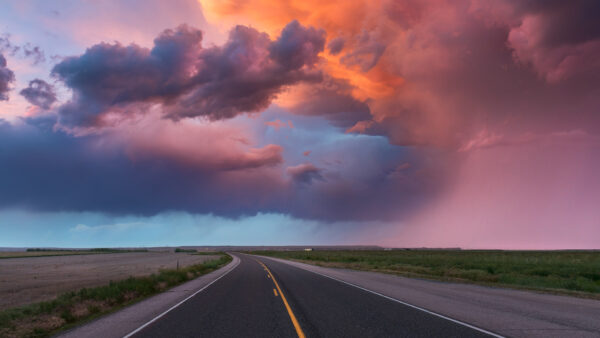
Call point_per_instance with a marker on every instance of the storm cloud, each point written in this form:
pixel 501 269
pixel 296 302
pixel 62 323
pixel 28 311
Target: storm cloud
pixel 220 82
pixel 180 166
pixel 426 113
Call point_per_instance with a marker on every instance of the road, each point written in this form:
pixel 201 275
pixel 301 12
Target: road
pixel 266 298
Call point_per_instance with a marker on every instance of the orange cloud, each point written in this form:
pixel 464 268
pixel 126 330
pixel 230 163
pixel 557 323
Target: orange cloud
pixel 276 124
pixel 360 24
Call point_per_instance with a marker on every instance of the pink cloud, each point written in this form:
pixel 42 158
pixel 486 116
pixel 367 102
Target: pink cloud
pixel 276 124
pixel 554 63
pixel 208 146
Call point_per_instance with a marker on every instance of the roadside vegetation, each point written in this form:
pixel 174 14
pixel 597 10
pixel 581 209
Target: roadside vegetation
pixel 565 272
pixel 41 252
pixel 69 309
pixel 204 253
pixel 185 250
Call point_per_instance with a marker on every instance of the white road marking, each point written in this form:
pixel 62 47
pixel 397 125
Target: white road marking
pixel 183 301
pixel 405 303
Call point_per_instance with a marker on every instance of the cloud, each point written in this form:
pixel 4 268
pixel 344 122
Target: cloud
pixel 154 165
pixel 297 46
pixel 200 145
pixel 541 194
pixel 437 73
pixel 276 124
pixel 39 93
pixel 336 45
pixel 6 78
pixel 558 39
pixel 305 173
pixel 53 171
pixel 366 54
pixel 243 75
pixel 35 53
pixel 497 81
pixel 431 83
pixel 26 51
pixel 332 99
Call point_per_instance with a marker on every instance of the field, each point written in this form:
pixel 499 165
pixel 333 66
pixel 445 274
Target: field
pixel 565 272
pixel 61 252
pixel 113 280
pixel 28 280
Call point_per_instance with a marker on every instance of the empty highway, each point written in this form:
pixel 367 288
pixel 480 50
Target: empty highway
pixel 266 298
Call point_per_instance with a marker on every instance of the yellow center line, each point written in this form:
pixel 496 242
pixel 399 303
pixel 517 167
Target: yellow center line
pixel 285 302
pixel 275 292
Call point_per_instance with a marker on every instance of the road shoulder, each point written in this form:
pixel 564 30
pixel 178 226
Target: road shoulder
pixel 505 311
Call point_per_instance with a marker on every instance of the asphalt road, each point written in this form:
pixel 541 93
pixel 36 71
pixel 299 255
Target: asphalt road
pixel 265 298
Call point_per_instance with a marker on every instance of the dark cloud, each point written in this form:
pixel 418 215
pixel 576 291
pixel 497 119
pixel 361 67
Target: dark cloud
pixel 39 93
pixel 6 78
pixel 297 46
pixel 219 82
pixel 305 173
pixel 560 40
pixel 336 45
pixel 332 99
pixel 563 22
pixel 47 170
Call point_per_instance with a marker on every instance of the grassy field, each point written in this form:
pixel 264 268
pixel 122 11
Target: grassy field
pixel 61 252
pixel 185 250
pixel 46 318
pixel 565 272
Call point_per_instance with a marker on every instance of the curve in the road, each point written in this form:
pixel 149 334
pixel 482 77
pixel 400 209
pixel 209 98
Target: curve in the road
pixel 244 303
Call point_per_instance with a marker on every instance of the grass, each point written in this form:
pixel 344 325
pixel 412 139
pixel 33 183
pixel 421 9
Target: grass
pixel 205 253
pixel 46 318
pixel 42 252
pixel 185 250
pixel 564 272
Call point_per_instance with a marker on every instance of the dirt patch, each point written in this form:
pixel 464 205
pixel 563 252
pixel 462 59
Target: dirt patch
pixel 39 327
pixel 29 280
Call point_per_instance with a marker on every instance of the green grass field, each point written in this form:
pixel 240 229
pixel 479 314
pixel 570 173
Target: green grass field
pixel 565 272
pixel 46 318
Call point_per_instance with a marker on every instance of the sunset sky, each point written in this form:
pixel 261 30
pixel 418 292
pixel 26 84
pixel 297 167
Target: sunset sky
pixel 471 124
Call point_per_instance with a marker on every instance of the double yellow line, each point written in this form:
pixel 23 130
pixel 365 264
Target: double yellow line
pixel 285 302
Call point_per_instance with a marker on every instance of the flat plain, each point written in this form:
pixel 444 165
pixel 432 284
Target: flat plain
pixel 34 279
pixel 574 273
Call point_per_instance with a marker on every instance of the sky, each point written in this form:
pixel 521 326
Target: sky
pixel 399 123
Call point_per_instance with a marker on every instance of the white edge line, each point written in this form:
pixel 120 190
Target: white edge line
pixel 407 304
pixel 181 302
